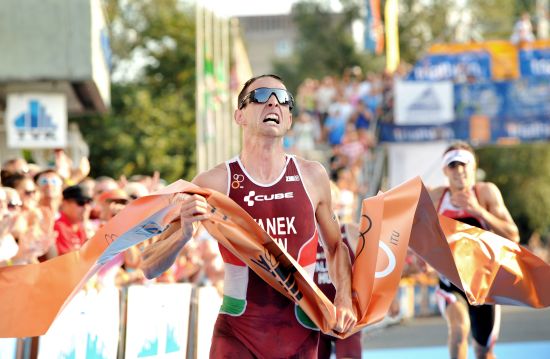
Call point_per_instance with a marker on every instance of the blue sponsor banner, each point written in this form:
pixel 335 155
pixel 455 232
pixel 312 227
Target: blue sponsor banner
pixel 534 63
pixel 528 97
pixel 525 129
pixel 515 109
pixel 454 67
pixel 422 133
pixel 480 98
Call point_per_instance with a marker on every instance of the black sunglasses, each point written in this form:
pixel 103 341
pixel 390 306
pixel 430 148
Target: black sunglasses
pixel 262 94
pixel 455 164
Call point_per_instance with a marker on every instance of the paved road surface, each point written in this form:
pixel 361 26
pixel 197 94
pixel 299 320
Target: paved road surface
pixel 525 334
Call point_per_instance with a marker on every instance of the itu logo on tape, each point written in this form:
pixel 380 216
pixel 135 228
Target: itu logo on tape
pixel 391 261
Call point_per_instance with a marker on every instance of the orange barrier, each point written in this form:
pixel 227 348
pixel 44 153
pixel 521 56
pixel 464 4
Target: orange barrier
pixel 489 268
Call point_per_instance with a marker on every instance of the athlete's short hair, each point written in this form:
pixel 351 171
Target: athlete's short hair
pixel 460 145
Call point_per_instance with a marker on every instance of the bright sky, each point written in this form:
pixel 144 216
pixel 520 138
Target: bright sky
pixel 247 7
pixel 252 7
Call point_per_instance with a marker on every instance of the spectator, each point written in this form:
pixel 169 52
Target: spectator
pixel 352 149
pixel 335 127
pixel 523 30
pixel 8 246
pixel 111 203
pixel 13 166
pixel 64 166
pixel 33 229
pixel 362 116
pixel 305 99
pixel 70 227
pixel 325 96
pixel 50 186
pixel 135 190
pixel 347 202
pixel 305 132
pixel 102 184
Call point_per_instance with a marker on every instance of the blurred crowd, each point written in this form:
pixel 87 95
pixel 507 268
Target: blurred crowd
pixel 336 123
pixel 47 212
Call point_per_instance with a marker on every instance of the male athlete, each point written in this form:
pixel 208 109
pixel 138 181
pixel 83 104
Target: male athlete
pixel 287 196
pixel 481 205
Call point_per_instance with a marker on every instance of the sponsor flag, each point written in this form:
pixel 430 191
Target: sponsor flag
pixel 489 268
pixel 374 33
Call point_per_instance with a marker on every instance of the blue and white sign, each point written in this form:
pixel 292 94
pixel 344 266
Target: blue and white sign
pixel 423 103
pixel 88 327
pixel 158 321
pixel 454 67
pixel 534 62
pixel 36 120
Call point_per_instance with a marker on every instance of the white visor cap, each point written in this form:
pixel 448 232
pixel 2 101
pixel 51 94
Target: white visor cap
pixel 461 156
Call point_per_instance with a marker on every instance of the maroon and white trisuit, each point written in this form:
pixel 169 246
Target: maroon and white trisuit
pixel 256 321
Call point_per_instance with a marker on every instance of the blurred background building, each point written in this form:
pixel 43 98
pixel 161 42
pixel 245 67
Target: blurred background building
pixel 54 63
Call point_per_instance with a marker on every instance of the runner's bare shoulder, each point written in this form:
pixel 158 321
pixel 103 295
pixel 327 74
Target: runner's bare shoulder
pixel 214 178
pixel 488 193
pixel 311 169
pixel 315 178
pixel 436 193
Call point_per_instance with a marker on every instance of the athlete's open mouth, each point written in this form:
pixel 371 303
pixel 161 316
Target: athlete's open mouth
pixel 272 118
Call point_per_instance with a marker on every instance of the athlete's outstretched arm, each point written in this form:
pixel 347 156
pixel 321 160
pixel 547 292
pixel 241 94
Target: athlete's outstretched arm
pixel 160 256
pixel 337 253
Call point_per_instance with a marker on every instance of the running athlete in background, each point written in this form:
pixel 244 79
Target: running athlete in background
pixel 351 346
pixel 286 196
pixel 481 205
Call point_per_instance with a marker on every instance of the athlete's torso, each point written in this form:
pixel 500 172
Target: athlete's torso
pixel 484 319
pixel 446 208
pixel 259 315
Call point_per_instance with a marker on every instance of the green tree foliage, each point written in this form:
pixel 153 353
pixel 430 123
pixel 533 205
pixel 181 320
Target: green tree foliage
pixel 324 44
pixel 494 25
pixel 522 173
pixel 422 24
pixel 151 125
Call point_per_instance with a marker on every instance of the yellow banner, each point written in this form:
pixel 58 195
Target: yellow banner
pixel 504 56
pixel 391 12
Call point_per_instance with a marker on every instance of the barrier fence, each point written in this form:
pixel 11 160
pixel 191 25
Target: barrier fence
pixel 152 321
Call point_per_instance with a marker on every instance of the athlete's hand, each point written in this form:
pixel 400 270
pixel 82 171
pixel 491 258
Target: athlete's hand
pixel 345 315
pixel 193 208
pixel 467 200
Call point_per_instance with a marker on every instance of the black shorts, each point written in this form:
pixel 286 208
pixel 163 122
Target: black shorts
pixel 484 319
pixel 345 348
